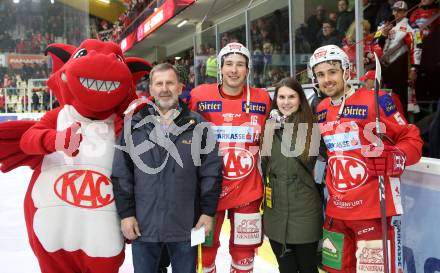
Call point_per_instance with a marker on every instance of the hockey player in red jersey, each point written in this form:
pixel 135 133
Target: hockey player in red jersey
pixel 238 113
pixel 352 229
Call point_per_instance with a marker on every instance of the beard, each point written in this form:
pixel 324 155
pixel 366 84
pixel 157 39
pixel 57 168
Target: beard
pixel 167 104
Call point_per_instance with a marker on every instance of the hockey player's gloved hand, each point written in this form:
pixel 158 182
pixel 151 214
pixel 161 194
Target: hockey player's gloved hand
pixel 68 140
pixel 390 162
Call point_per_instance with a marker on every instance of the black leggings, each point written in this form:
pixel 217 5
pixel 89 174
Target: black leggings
pixel 296 258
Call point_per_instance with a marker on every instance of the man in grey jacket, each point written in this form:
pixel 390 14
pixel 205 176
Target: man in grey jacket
pixel 166 176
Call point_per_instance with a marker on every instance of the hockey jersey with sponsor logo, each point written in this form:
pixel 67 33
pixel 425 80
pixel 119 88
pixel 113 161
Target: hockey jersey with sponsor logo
pixel 400 35
pixel 238 134
pixel 353 194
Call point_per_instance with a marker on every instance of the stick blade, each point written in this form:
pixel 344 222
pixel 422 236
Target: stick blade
pixel 378 74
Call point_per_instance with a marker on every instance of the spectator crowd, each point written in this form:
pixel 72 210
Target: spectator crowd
pixel 270 37
pixel 25 29
pixel 135 11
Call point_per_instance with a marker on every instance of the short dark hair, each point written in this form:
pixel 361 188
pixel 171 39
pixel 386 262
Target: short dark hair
pixel 163 67
pixel 224 57
pixel 331 62
pixel 331 23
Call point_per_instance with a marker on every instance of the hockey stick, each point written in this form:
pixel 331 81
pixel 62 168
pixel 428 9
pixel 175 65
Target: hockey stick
pixel 383 210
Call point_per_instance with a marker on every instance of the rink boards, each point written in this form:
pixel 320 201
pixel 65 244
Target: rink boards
pixel 421 219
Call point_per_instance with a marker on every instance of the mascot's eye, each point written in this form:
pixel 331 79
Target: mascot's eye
pixel 80 53
pixel 120 58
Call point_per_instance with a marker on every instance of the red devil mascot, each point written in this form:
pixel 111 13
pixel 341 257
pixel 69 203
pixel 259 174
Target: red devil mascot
pixel 69 207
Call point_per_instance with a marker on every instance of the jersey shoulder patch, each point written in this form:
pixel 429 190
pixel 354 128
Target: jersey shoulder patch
pixel 321 116
pixel 387 105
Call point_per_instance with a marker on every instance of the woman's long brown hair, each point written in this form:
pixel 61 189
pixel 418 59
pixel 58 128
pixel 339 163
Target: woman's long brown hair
pixel 304 113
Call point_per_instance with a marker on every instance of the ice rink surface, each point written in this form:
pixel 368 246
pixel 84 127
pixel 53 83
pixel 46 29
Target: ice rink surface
pixel 16 255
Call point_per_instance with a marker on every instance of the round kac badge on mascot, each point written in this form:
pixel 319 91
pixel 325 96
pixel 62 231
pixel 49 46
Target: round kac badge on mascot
pixel 69 206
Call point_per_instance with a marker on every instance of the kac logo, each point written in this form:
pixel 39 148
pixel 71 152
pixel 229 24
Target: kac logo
pixel 238 162
pixel 320 54
pixel 84 189
pixel 348 172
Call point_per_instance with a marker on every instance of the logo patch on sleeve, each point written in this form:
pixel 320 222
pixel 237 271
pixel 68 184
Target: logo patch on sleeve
pixel 387 104
pixel 321 116
pixel 355 111
pixel 254 107
pixel 209 106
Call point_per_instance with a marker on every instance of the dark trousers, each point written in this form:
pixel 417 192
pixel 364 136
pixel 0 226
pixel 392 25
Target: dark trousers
pixel 296 258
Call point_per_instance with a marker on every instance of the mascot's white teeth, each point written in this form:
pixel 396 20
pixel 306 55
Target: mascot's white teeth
pixel 97 85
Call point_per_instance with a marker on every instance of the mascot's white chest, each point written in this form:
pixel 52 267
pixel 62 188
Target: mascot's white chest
pixel 74 195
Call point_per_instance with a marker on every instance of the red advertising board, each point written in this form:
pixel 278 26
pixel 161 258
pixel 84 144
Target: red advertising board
pixel 160 16
pixel 16 61
pixel 128 41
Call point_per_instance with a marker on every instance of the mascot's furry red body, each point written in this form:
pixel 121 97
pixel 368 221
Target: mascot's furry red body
pixel 69 206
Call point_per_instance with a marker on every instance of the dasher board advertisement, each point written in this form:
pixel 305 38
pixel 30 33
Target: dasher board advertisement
pixel 420 222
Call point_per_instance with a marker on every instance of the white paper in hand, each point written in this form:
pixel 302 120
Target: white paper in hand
pixel 197 236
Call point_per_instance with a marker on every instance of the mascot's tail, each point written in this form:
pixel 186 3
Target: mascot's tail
pixel 11 156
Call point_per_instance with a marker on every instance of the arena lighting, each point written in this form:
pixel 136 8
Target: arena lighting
pixel 16 1
pixel 104 1
pixel 183 22
pixel 52 1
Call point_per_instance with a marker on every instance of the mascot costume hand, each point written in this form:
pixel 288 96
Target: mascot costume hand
pixel 69 206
